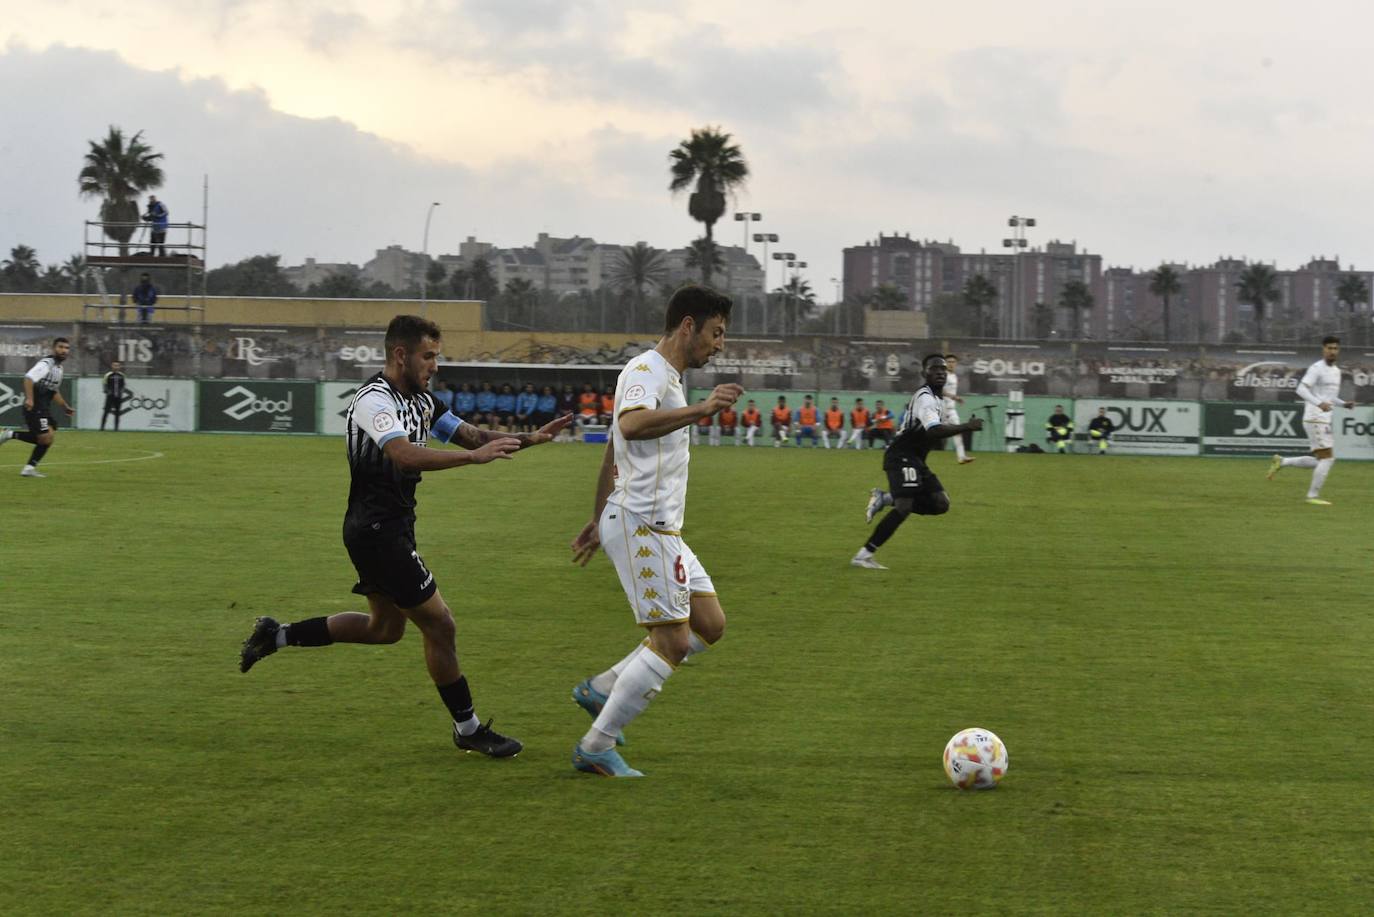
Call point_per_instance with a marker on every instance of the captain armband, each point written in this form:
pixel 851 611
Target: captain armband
pixel 445 427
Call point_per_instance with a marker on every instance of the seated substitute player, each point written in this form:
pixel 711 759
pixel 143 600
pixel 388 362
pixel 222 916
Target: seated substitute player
pixel 753 422
pixel 1100 430
pixel 913 488
pixel 782 422
pixel 526 404
pixel 858 424
pixel 641 496
pixel 808 420
pixel 729 423
pixel 702 428
pixel 881 425
pixel 388 422
pixel 1320 388
pixel 1059 429
pixel 833 425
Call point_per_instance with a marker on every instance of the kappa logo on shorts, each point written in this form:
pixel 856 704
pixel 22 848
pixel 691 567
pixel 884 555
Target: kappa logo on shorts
pixel 383 421
pixel 655 615
pixel 651 593
pixel 646 573
pixel 642 532
pixel 644 552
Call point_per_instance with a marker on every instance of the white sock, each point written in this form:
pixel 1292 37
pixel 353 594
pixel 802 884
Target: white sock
pixel 281 635
pixel 695 645
pixel 605 682
pixel 468 726
pixel 959 446
pixel 1300 461
pixel 1319 477
pixel 640 683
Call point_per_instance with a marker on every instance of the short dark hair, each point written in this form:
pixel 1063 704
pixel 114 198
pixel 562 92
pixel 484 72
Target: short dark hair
pixel 925 360
pixel 56 341
pixel 409 330
pixel 1330 339
pixel 951 356
pixel 698 303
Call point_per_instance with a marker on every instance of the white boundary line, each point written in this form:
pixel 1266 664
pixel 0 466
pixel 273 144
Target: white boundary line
pixel 142 458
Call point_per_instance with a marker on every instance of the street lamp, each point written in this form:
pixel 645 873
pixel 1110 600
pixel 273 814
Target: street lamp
pixel 765 238
pixel 838 302
pixel 792 293
pixel 783 258
pixel 424 258
pixel 746 218
pixel 1012 326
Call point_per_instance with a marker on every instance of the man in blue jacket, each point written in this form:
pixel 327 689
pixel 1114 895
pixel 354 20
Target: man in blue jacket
pixel 465 403
pixel 145 297
pixel 157 215
pixel 525 405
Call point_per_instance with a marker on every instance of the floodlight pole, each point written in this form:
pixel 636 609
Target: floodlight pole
pixel 424 259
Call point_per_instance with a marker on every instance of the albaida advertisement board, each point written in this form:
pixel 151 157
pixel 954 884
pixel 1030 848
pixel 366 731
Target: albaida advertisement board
pixel 257 406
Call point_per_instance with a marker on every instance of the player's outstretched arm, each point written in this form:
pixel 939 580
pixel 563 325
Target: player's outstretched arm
pixel 652 423
pixel 589 539
pixel 407 456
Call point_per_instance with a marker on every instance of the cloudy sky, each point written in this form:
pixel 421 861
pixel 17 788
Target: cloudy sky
pixel 1145 131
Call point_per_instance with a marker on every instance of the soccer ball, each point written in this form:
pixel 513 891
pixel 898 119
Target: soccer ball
pixel 975 759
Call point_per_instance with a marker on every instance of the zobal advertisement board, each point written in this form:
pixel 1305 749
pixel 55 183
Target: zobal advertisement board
pixel 12 402
pixel 149 404
pixel 257 406
pixel 1229 428
pixel 1144 427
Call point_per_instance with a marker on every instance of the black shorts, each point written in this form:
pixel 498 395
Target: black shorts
pixel 39 421
pixel 908 476
pixel 387 563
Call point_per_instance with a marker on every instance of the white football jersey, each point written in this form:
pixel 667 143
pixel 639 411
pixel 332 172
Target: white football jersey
pixel 1324 382
pixel 951 389
pixel 651 474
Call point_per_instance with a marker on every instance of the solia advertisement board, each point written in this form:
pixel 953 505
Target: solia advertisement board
pixel 1144 427
pixel 148 404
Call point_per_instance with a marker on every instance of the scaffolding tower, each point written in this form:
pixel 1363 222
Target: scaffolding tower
pixel 184 248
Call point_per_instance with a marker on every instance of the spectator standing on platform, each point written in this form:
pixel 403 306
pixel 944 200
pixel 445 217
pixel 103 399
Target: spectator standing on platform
pixel 465 404
pixel 526 403
pixel 505 407
pixel 858 424
pixel 145 297
pixel 115 387
pixel 807 421
pixel 753 422
pixel 883 426
pixel 834 425
pixel 546 407
pixel 727 423
pixel 486 406
pixel 157 215
pixel 782 422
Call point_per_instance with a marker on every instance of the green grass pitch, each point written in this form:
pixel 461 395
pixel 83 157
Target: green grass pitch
pixel 1176 652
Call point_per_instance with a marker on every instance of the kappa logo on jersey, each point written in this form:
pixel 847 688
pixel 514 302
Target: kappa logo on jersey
pixel 644 552
pixel 642 532
pixel 646 573
pixel 384 421
pixel 643 368
pixel 634 393
pixel 651 594
pixel 655 614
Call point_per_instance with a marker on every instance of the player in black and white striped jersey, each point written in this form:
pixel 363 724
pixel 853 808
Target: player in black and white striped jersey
pixel 42 386
pixel 389 423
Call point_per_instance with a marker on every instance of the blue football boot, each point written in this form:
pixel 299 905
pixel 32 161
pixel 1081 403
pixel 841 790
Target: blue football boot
pixel 592 700
pixel 607 763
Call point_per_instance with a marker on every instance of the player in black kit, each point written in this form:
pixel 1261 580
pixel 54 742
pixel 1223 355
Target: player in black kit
pixel 42 386
pixel 913 488
pixel 388 423
pixel 115 387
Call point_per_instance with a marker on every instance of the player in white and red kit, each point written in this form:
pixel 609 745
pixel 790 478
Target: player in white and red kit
pixel 1320 388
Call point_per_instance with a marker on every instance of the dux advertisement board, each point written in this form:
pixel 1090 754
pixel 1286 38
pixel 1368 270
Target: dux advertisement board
pixel 257 406
pixel 1229 428
pixel 1144 427
pixel 148 404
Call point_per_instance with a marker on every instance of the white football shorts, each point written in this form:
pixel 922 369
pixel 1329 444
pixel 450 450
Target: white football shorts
pixel 1319 435
pixel 951 413
pixel 657 570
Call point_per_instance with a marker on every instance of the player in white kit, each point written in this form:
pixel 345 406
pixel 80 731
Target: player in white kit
pixel 951 400
pixel 1320 388
pixel 641 497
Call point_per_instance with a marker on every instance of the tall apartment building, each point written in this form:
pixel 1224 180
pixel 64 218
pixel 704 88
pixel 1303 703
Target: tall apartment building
pixel 302 276
pixel 396 267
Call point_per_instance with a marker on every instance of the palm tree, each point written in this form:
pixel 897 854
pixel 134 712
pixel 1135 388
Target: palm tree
pixel 118 173
pixel 634 268
pixel 887 298
pixel 704 254
pixel 796 293
pixel 978 294
pixel 1164 283
pixel 75 270
pixel 21 269
pixel 1077 298
pixel 1351 291
pixel 716 166
pixel 1258 286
